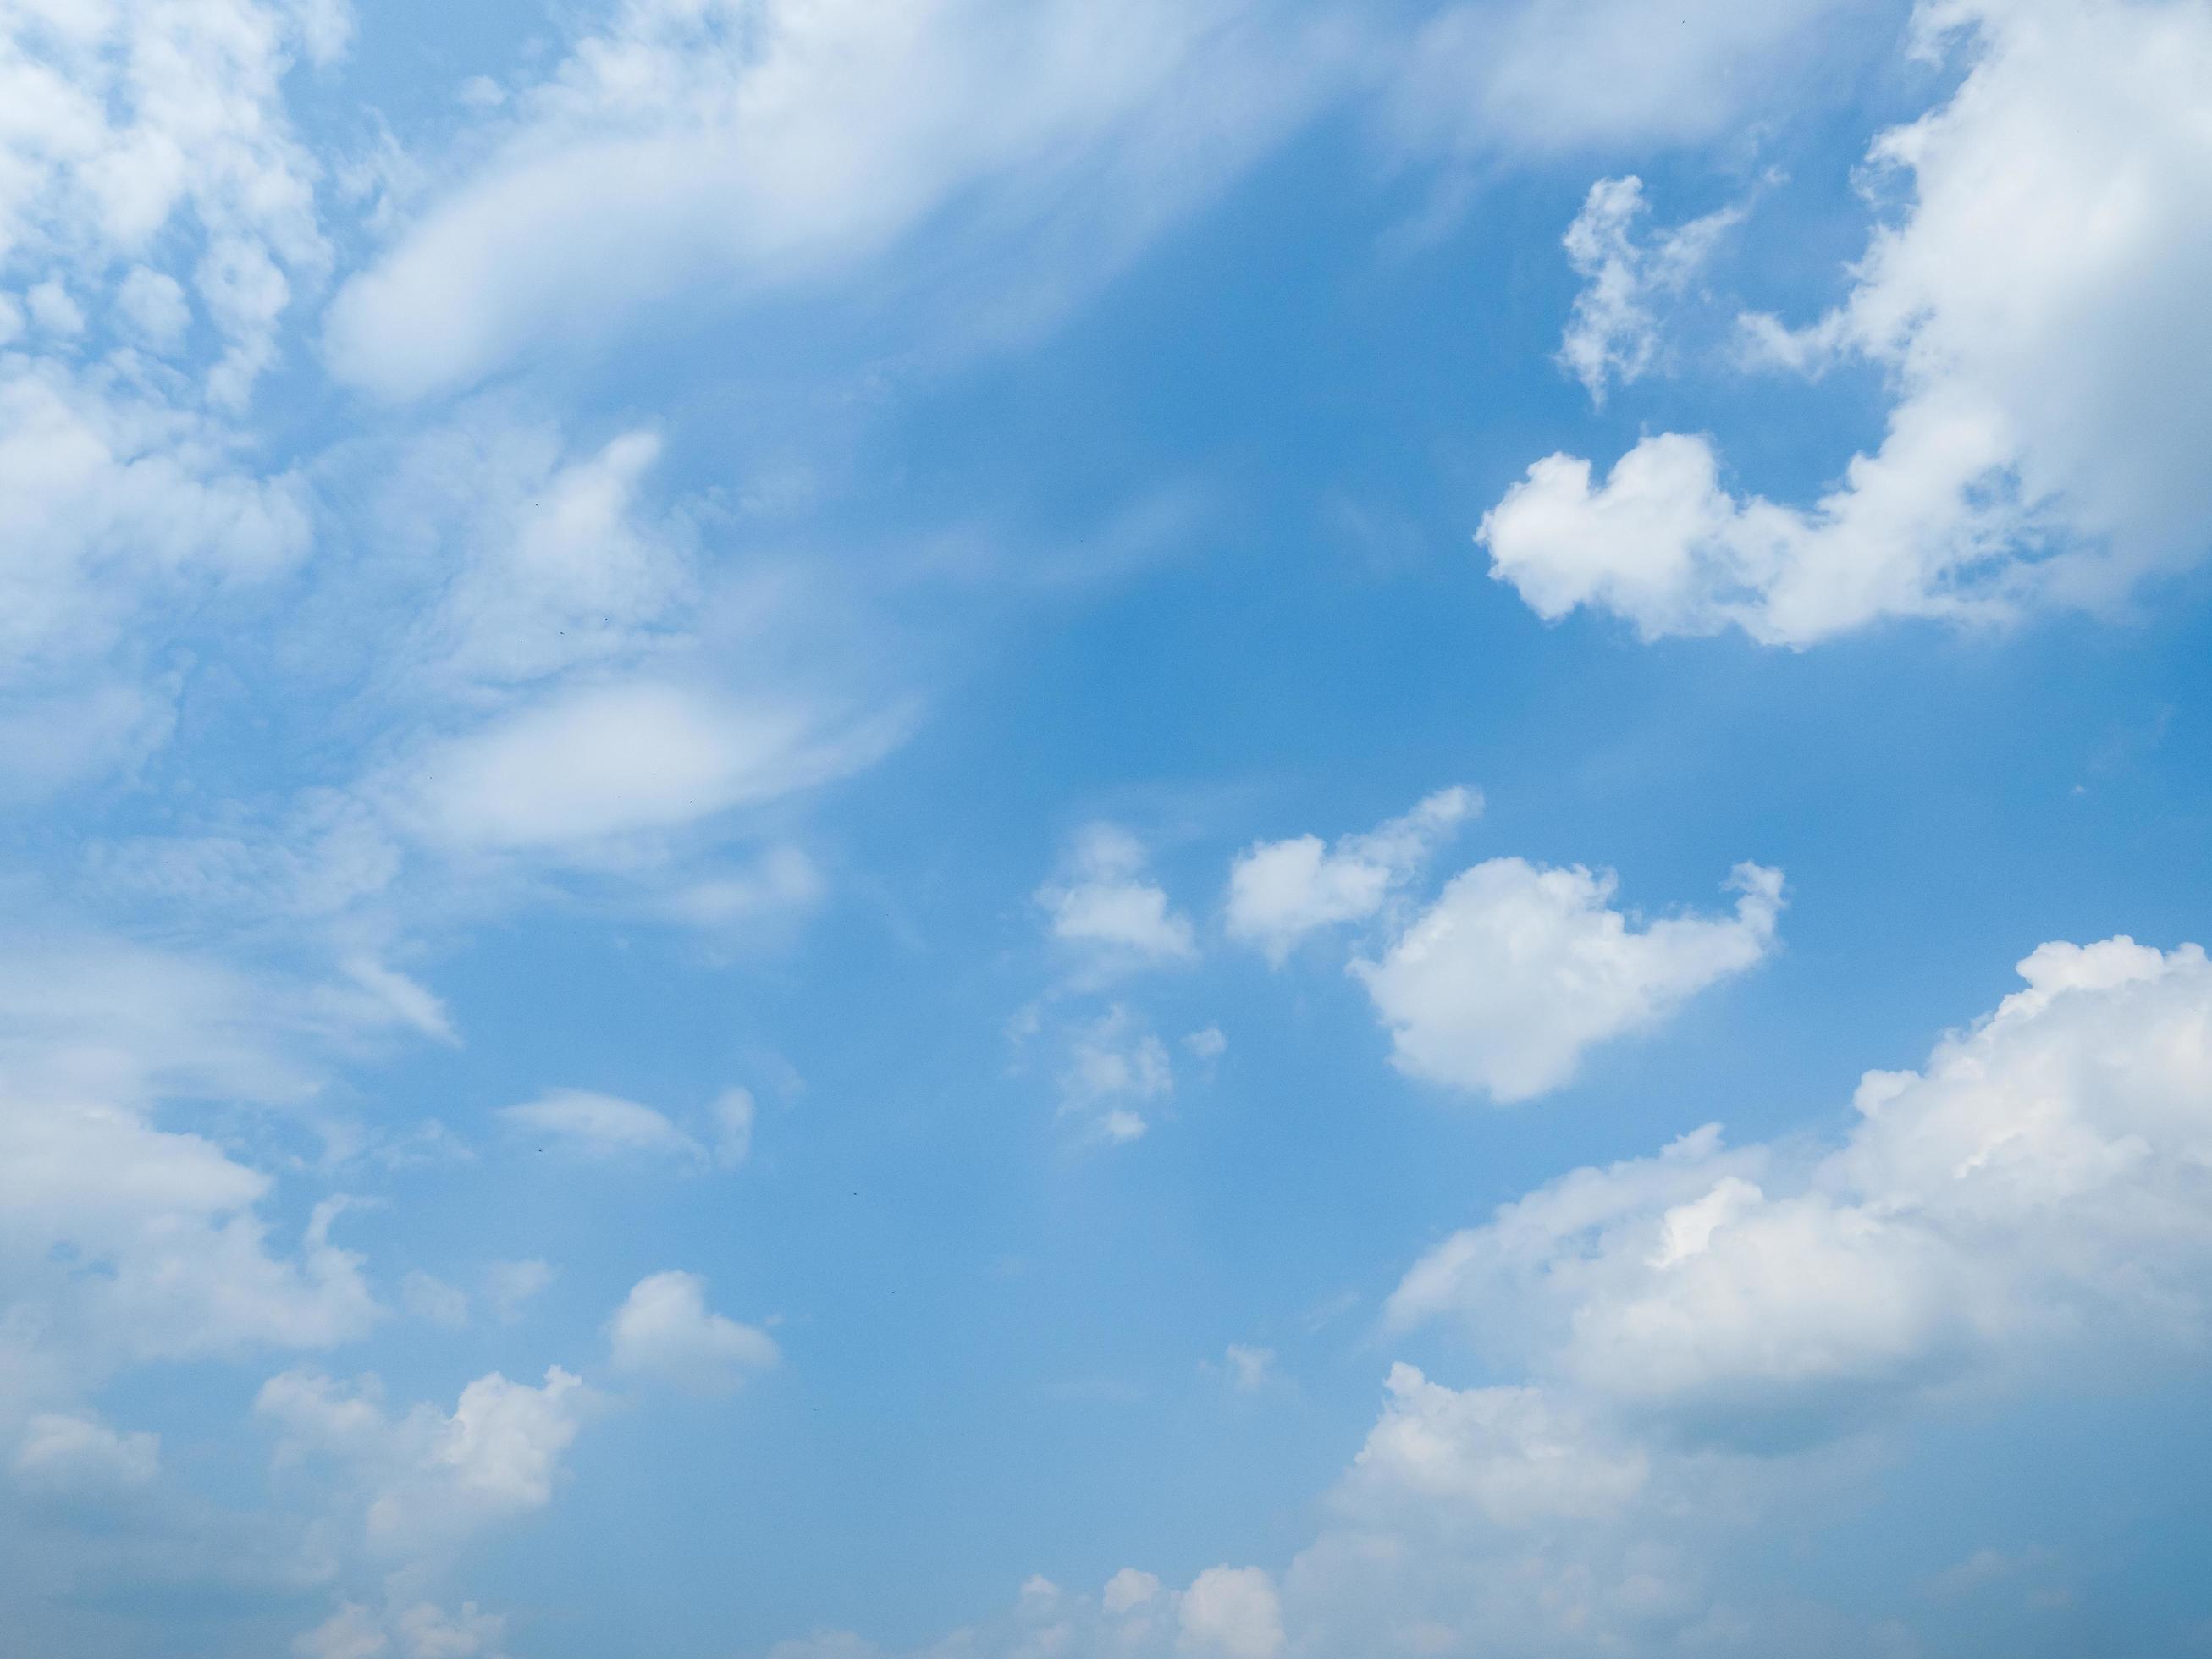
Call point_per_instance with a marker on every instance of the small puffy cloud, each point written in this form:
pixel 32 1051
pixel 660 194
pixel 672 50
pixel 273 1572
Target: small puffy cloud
pixel 71 1454
pixel 600 1125
pixel 1106 907
pixel 1518 969
pixel 1614 333
pixel 1231 1612
pixel 1280 891
pixel 1129 1588
pixel 665 1330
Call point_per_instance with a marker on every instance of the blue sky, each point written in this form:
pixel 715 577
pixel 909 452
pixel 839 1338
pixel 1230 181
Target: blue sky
pixel 1243 829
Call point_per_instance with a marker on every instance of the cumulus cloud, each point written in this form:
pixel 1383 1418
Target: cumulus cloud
pixel 1105 906
pixel 2035 1189
pixel 665 1330
pixel 2031 306
pixel 1280 891
pixel 422 1482
pixel 1518 969
pixel 1513 1454
pixel 1233 1612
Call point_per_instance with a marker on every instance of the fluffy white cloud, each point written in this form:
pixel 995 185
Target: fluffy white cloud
pixel 1105 905
pixel 1281 890
pixel 1513 1454
pixel 665 1330
pixel 132 136
pixel 426 1480
pixel 1232 1613
pixel 124 122
pixel 1129 1587
pixel 2035 306
pixel 1517 969
pixel 1614 333
pixel 2037 1190
pixel 751 149
pixel 121 1241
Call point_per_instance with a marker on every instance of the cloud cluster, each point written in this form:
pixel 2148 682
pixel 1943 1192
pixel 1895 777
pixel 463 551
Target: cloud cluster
pixel 1514 971
pixel 2032 306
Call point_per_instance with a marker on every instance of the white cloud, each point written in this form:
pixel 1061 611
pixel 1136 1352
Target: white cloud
pixel 1279 891
pixel 1517 969
pixel 600 762
pixel 541 559
pixel 123 1242
pixel 126 122
pixel 1515 1454
pixel 601 1126
pixel 1232 1613
pixel 749 150
pixel 1116 1068
pixel 1129 1587
pixel 1532 77
pixel 423 1482
pixel 71 1455
pixel 2032 1192
pixel 2035 307
pixel 1105 906
pixel 665 1330
pixel 1614 333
